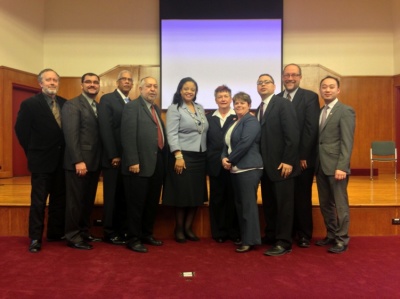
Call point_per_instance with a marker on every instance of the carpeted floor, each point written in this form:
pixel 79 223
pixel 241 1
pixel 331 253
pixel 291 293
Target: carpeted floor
pixel 369 269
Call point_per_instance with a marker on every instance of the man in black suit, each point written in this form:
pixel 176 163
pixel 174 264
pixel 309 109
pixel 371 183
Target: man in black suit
pixel 110 113
pixel 306 104
pixel 223 216
pixel 82 161
pixel 38 128
pixel 279 150
pixel 144 145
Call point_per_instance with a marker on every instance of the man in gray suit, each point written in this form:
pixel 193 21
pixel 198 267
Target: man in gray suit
pixel 81 161
pixel 144 148
pixel 336 135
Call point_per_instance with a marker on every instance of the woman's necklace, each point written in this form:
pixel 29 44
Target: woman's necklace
pixel 199 123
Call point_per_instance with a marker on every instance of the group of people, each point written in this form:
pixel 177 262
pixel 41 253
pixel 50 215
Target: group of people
pixel 287 141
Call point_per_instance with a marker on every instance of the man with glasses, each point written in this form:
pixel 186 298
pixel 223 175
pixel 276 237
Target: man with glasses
pixel 279 150
pixel 110 113
pixel 306 104
pixel 82 161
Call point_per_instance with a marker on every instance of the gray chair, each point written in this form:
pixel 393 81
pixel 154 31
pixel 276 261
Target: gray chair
pixel 383 151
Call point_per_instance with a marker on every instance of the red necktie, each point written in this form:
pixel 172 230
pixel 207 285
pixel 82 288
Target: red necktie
pixel 159 134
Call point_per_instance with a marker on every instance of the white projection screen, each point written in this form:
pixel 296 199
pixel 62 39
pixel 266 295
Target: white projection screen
pixel 215 51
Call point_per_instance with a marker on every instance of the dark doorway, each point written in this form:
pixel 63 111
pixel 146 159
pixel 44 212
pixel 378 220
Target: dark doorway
pixel 19 94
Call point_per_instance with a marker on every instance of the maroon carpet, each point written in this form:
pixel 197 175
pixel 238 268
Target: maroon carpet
pixel 369 269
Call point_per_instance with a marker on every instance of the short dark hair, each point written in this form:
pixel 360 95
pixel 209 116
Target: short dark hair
pixel 272 79
pixel 40 75
pixel 222 88
pixel 330 77
pixel 177 99
pixel 89 74
pixel 243 97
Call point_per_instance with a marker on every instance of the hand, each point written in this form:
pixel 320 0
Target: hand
pixel 180 165
pixel 134 168
pixel 115 162
pixel 81 169
pixel 340 175
pixel 303 164
pixel 226 164
pixel 286 169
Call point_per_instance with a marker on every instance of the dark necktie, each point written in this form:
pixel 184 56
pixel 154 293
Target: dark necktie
pixel 289 97
pixel 56 112
pixel 261 112
pixel 94 107
pixel 159 134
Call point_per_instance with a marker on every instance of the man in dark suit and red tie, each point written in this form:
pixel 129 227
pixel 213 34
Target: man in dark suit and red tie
pixel 306 104
pixel 280 152
pixel 38 128
pixel 82 161
pixel 110 114
pixel 223 216
pixel 144 153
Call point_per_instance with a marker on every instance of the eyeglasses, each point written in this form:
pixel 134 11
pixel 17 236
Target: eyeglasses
pixel 126 79
pixel 91 82
pixel 264 82
pixel 286 76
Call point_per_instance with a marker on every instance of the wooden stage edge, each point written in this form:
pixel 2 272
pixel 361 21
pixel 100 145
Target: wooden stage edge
pixel 373 205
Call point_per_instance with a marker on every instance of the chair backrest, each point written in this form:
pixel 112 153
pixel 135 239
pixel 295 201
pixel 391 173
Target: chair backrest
pixel 383 148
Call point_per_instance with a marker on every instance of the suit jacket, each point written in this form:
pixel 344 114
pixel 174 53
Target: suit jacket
pixel 139 137
pixel 280 138
pixel 109 115
pixel 216 142
pixel 336 140
pixel 82 135
pixel 306 104
pixel 39 134
pixel 245 144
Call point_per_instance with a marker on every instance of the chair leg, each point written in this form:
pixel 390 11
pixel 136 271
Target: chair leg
pixel 370 171
pixel 395 170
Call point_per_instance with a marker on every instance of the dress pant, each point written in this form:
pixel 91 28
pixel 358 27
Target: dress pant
pixel 44 185
pixel 303 223
pixel 223 216
pixel 245 186
pixel 334 205
pixel 278 206
pixel 142 200
pixel 81 194
pixel 114 207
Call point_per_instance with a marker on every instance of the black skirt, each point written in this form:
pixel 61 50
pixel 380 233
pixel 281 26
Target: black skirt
pixel 188 189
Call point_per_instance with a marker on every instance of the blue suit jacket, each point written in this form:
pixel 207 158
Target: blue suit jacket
pixel 245 143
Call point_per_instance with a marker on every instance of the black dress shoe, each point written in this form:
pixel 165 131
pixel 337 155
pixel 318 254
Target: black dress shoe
pixel 117 240
pixel 137 247
pixel 243 248
pixel 303 243
pixel 277 250
pixel 325 241
pixel 338 248
pixel 55 238
pixel 35 246
pixel 152 241
pixel 80 245
pixel 90 238
pixel 237 242
pixel 220 240
pixel 191 236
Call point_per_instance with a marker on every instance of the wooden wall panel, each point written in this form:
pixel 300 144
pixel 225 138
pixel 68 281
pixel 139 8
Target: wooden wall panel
pixel 372 99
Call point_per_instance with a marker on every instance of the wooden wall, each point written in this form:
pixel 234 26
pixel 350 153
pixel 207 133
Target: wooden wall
pixel 374 99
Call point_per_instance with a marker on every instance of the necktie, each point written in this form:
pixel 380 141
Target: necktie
pixel 323 117
pixel 94 107
pixel 261 113
pixel 127 100
pixel 56 112
pixel 159 134
pixel 289 97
